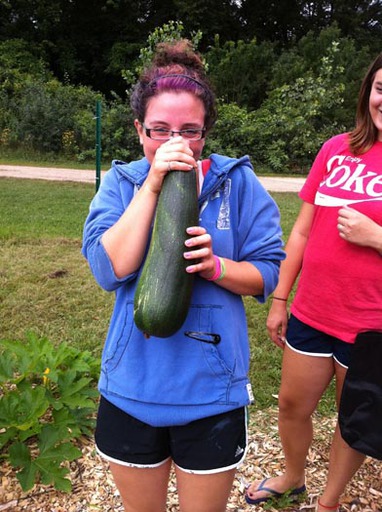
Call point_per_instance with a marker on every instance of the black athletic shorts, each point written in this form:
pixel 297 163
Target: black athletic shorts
pixel 210 445
pixel 309 341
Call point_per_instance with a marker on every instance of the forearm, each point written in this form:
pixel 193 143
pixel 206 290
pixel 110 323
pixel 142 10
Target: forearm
pixel 242 278
pixel 294 249
pixel 125 242
pixel 291 266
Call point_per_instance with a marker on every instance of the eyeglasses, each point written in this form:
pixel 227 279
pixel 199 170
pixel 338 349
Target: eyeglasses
pixel 164 134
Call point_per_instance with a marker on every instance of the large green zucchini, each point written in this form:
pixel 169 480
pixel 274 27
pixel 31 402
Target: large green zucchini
pixel 163 293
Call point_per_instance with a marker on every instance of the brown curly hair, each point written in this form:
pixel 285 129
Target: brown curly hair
pixel 175 67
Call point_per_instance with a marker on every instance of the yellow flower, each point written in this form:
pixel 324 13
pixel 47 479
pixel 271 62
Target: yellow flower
pixel 45 379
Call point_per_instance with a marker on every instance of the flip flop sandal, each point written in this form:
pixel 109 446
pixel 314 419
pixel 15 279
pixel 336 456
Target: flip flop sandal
pixel 274 494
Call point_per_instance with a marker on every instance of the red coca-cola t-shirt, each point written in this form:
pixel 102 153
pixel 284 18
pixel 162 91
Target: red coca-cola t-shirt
pixel 340 286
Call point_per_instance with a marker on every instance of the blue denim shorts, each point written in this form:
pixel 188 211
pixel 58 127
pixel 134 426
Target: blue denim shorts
pixel 209 445
pixel 309 341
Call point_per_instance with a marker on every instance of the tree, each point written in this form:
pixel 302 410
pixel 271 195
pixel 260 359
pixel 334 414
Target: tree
pixel 211 17
pixel 77 37
pixel 89 42
pixel 241 71
pixel 359 19
pixel 297 118
pixel 17 63
pixel 31 21
pixel 279 20
pixel 306 57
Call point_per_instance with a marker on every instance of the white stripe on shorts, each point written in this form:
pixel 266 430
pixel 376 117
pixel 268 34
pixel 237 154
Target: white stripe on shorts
pixel 315 354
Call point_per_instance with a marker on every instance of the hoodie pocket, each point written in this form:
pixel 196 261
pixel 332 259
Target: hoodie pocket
pixel 179 370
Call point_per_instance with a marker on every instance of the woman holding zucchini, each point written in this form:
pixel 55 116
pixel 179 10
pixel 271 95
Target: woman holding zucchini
pixel 178 399
pixel 334 250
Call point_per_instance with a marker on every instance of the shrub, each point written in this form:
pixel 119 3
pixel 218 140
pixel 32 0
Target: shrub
pixel 290 126
pixel 47 400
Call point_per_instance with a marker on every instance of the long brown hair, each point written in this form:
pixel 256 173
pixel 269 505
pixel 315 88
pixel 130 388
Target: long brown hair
pixel 365 133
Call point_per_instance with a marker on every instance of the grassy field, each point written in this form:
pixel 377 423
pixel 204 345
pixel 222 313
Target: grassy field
pixel 46 286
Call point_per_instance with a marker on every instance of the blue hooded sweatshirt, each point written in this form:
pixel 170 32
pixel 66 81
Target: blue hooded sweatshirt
pixel 175 380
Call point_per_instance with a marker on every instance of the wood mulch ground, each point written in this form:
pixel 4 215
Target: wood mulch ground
pixel 93 488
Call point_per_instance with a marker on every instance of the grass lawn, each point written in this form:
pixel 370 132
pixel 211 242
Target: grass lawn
pixel 46 286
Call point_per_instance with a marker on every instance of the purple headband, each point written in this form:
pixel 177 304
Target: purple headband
pixel 176 75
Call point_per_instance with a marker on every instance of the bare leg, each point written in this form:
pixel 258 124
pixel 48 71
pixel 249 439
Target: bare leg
pixel 204 493
pixel 303 381
pixel 343 462
pixel 142 489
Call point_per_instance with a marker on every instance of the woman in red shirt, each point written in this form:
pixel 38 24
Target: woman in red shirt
pixel 334 251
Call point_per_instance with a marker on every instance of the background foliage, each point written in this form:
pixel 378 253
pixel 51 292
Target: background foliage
pixel 286 73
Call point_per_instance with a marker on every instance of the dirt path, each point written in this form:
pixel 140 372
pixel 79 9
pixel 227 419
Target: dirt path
pixel 273 184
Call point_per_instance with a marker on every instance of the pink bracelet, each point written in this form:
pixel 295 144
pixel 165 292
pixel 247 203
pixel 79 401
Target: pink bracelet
pixel 218 270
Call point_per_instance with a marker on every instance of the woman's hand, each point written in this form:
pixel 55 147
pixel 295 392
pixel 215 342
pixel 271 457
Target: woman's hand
pixel 173 155
pixel 200 249
pixel 277 322
pixel 356 228
pixel 240 277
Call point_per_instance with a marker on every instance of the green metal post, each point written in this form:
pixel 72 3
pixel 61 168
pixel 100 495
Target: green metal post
pixel 98 144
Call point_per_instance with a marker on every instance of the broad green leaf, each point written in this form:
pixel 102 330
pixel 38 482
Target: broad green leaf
pixel 7 435
pixel 27 477
pixel 79 421
pixel 6 366
pixel 50 436
pixel 56 476
pixel 22 410
pixel 19 455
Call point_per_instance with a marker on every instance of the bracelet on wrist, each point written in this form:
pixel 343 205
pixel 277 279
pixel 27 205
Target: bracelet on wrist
pixel 219 271
pixel 280 298
pixel 222 267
